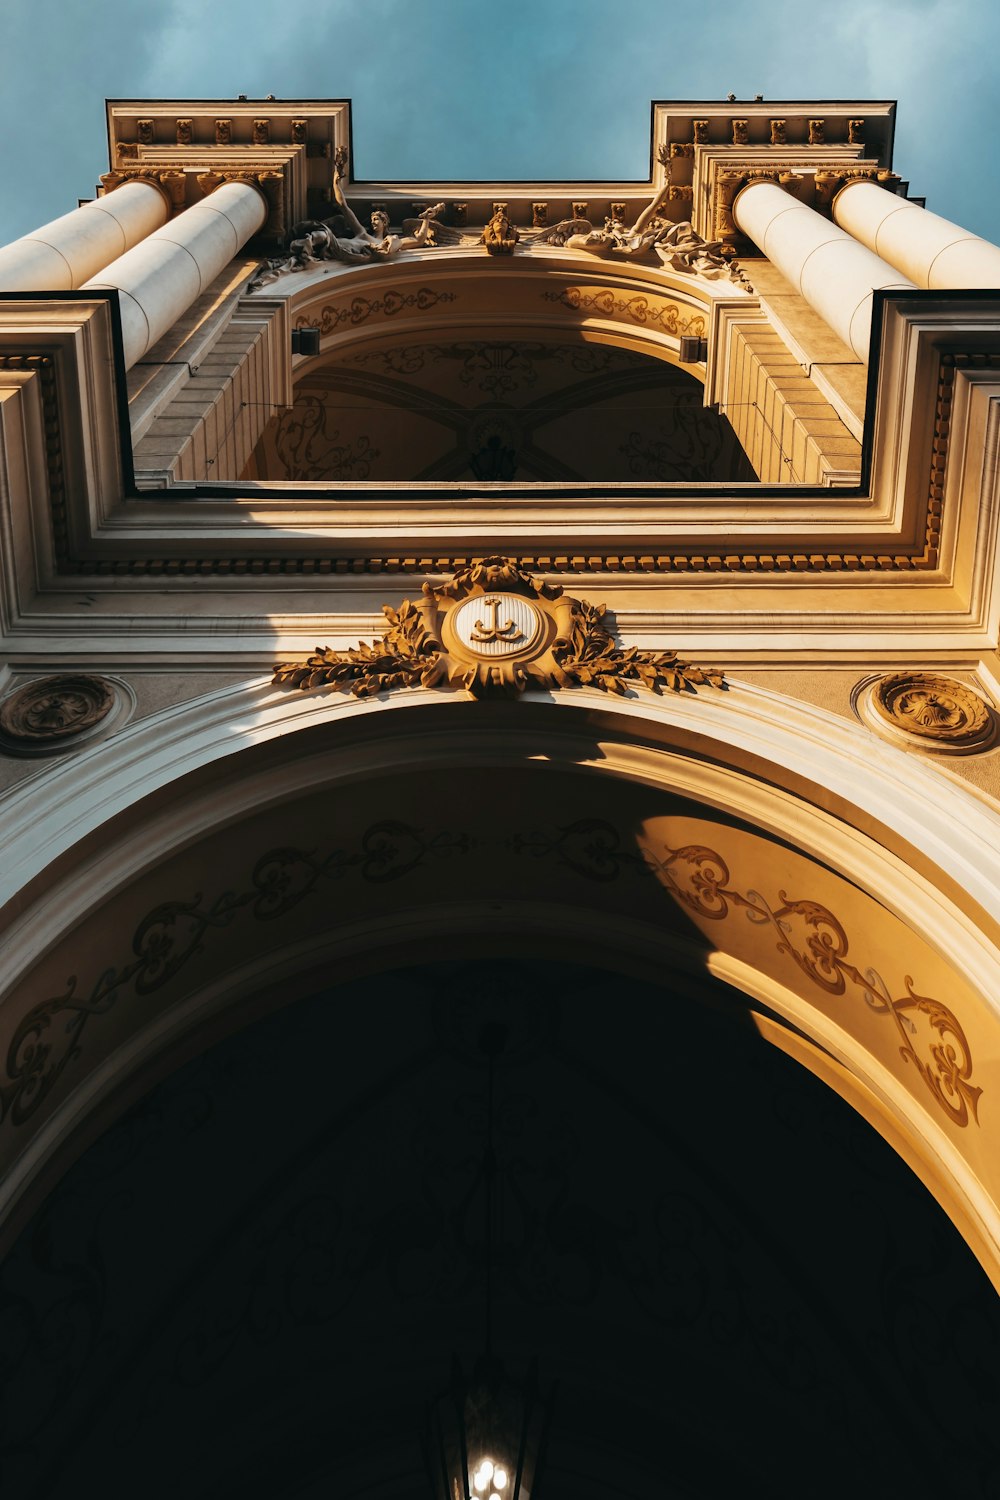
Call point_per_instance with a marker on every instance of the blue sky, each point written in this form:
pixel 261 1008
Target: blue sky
pixel 521 89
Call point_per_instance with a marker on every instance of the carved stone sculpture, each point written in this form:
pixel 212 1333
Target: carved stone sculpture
pixel 651 237
pixel 55 709
pixel 315 241
pixel 223 132
pixel 184 132
pixel 928 712
pixel 500 235
pixel 778 133
pixel 494 629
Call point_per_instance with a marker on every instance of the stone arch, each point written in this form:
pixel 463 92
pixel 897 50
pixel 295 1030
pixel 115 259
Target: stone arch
pixel 180 878
pixel 458 367
pixel 643 308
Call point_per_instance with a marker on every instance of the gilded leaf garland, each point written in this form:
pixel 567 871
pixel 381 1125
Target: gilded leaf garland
pixel 576 649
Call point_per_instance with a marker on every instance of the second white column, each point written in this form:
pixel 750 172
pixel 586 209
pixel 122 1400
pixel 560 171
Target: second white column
pixel 831 271
pixel 158 280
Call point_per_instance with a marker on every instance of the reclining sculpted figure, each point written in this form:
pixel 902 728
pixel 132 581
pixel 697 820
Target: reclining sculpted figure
pixel 314 241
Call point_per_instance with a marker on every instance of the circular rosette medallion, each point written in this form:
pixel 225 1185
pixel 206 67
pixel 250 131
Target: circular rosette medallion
pixel 927 712
pixel 497 626
pixel 54 710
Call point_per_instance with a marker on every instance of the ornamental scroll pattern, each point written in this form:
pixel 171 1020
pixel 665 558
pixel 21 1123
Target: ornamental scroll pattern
pixel 50 1036
pixel 358 309
pixel 647 312
pixel 930 1036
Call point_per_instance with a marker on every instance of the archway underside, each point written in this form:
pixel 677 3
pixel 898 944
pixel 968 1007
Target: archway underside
pixel 454 407
pixel 263 1270
pixel 386 859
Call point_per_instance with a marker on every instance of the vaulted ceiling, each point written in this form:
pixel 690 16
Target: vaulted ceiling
pixel 498 410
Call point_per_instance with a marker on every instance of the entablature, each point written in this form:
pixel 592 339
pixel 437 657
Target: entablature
pixel 906 557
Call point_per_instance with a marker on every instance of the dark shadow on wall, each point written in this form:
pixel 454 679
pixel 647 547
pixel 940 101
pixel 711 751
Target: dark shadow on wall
pixel 253 1282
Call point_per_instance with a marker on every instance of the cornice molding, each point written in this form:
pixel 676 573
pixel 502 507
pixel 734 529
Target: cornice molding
pixel 920 522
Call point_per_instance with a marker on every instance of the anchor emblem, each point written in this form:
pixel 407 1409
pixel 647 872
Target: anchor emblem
pixel 483 634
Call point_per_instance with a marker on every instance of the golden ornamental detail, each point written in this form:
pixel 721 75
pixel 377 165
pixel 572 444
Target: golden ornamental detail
pixel 170 182
pixel 56 708
pixel 494 629
pixel 928 712
pixel 647 312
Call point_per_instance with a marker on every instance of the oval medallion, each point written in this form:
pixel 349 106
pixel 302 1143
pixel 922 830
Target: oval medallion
pixel 497 625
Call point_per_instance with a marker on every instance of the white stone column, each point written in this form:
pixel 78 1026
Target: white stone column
pixel 158 280
pixel 833 273
pixel 62 255
pixel 932 251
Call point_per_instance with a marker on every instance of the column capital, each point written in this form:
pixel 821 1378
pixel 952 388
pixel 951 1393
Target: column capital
pixel 268 182
pixel 172 184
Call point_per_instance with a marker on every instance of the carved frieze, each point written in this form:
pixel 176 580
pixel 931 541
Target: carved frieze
pixel 352 311
pixel 223 132
pixel 494 629
pixel 810 941
pixel 185 132
pixel 778 133
pixel 647 312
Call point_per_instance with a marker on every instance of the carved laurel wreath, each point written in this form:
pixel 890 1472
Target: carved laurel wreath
pixel 576 648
